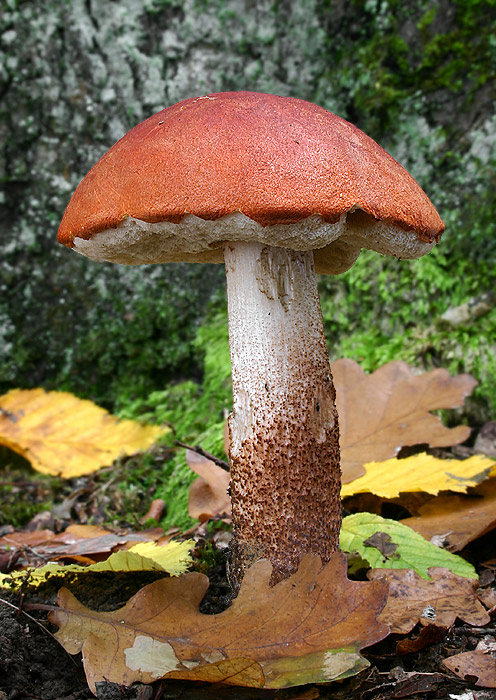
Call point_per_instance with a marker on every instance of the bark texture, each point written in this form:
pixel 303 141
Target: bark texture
pixel 284 437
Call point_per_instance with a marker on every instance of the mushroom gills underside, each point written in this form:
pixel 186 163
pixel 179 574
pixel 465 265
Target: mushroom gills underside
pixel 336 245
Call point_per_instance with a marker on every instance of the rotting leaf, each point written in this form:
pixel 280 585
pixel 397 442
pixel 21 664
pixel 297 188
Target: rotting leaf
pixel 430 634
pixel 445 596
pixel 383 411
pixel 308 628
pixel 63 435
pixel 382 542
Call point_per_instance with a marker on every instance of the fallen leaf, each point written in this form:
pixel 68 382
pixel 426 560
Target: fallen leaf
pixel 65 436
pixel 458 520
pixel 412 551
pixel 22 538
pixel 487 596
pixel 421 472
pixel 208 495
pixel 383 411
pixel 76 539
pixel 430 634
pixel 83 531
pixel 382 542
pixel 439 601
pixel 155 511
pixel 74 544
pixel 308 628
pixel 475 663
pixel 173 558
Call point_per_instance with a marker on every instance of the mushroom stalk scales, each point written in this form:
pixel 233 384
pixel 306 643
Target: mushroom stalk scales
pixel 284 437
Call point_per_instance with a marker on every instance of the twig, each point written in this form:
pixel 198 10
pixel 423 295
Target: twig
pixel 465 629
pixel 19 610
pixel 200 451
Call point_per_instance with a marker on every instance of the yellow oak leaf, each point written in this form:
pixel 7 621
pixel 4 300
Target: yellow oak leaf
pixel 63 435
pixel 421 472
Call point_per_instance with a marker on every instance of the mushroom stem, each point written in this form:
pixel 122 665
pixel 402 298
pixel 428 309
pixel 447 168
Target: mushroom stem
pixel 284 437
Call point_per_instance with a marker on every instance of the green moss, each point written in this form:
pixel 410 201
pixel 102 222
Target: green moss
pixel 391 60
pixel 195 412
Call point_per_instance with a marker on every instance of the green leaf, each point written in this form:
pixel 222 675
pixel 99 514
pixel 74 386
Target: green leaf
pixel 402 547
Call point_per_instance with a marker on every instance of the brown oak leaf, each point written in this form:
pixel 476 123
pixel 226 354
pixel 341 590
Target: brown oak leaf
pixel 477 663
pixel 383 411
pixel 438 601
pixel 459 518
pixel 308 628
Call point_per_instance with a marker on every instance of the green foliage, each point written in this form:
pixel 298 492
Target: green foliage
pixel 403 50
pixel 125 334
pixel 384 310
pixel 411 550
pixel 195 412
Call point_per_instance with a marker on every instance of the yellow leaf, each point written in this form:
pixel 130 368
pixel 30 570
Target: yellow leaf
pixel 65 436
pixel 421 472
pixel 173 558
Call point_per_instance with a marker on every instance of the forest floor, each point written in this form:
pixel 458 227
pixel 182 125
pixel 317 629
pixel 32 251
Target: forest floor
pixel 33 664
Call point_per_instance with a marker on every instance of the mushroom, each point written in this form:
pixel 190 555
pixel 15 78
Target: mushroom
pixel 277 188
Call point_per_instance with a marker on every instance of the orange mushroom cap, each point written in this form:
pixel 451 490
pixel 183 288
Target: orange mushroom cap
pixel 277 160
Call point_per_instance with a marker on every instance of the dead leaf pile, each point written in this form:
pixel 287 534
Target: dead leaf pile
pixel 42 553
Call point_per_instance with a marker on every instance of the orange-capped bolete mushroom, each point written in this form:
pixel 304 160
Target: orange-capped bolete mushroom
pixel 277 188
